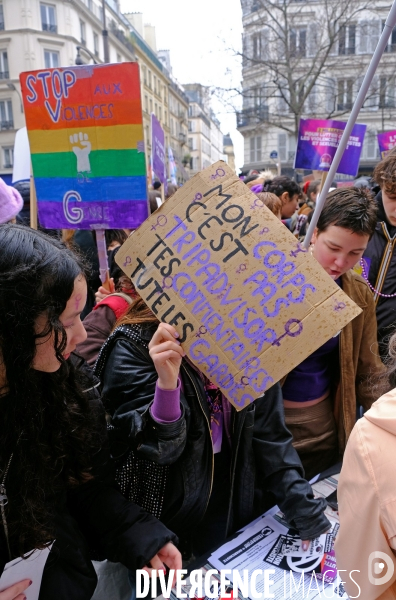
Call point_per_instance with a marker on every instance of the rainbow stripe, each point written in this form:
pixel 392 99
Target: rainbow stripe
pixel 85 128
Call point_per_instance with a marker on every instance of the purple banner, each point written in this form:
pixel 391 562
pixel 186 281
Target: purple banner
pixel 158 148
pixel 386 142
pixel 318 140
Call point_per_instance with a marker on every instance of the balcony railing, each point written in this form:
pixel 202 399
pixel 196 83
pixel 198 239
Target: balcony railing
pixel 49 27
pixel 252 116
pixel 121 36
pixel 6 124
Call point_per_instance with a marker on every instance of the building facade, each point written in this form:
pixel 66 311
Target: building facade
pixel 205 139
pixel 228 148
pixel 272 92
pixel 154 80
pixel 37 35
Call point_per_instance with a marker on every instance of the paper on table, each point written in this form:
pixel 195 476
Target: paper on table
pixel 261 546
pixel 29 568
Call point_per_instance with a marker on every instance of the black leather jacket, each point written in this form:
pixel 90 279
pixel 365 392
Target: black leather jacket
pixel 382 275
pixel 93 516
pixel 265 468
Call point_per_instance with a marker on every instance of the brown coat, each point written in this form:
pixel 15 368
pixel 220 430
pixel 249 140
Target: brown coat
pixel 359 358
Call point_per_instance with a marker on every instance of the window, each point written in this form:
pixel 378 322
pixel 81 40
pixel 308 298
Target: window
pixel 255 148
pixel 191 144
pixel 155 84
pixel 347 39
pixel 344 94
pixel 1 17
pixel 4 72
pixel 149 79
pixel 369 36
pixel 151 105
pixel 145 75
pixel 51 59
pixel 8 158
pixel 83 36
pixel 119 59
pixel 160 113
pixel 146 104
pixel 387 92
pixel 96 44
pixel 256 42
pixel 166 117
pixel 370 145
pixel 6 116
pixel 298 42
pixel 48 20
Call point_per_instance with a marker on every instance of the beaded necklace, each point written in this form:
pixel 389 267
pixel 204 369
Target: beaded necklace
pixel 372 288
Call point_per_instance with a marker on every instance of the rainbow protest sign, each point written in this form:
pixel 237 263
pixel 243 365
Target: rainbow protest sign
pixel 86 141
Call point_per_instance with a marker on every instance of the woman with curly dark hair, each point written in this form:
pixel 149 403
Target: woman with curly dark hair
pixel 55 474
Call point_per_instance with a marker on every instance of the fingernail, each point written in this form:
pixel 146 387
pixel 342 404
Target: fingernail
pixel 30 582
pixel 305 546
pixel 176 334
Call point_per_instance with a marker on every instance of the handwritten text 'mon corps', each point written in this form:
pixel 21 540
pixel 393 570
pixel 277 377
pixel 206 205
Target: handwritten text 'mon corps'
pixel 180 258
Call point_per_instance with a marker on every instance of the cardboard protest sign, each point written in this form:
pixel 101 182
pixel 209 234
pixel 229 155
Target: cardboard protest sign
pixel 318 140
pixel 386 142
pixel 250 303
pixel 86 141
pixel 158 148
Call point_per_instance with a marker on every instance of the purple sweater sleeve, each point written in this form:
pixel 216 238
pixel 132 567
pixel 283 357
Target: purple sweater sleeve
pixel 166 405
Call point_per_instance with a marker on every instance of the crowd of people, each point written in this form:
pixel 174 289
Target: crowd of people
pixel 116 449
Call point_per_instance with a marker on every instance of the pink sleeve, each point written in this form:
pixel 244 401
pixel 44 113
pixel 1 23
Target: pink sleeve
pixel 166 405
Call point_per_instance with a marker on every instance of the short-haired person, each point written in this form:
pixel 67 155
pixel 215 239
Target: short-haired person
pixel 366 541
pixel 380 256
pixel 322 393
pixel 272 202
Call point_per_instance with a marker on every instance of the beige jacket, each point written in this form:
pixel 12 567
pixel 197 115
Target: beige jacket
pixel 367 503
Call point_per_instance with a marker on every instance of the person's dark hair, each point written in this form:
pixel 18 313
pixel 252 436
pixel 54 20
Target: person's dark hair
pixel 47 412
pixel 115 235
pixel 251 178
pixel 385 172
pixel 352 208
pixel 313 188
pixel 156 185
pixel 279 185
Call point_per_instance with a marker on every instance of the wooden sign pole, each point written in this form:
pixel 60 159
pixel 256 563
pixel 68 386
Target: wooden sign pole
pixel 33 203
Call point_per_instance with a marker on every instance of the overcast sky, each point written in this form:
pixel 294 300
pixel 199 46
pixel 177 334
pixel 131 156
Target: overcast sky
pixel 202 37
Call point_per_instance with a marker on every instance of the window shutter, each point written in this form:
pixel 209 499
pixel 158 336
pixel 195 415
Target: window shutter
pixel 372 98
pixel 312 99
pixel 375 32
pixel 364 36
pixel 258 148
pixel 282 146
pixel 312 42
pixel 330 93
pixel 252 149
